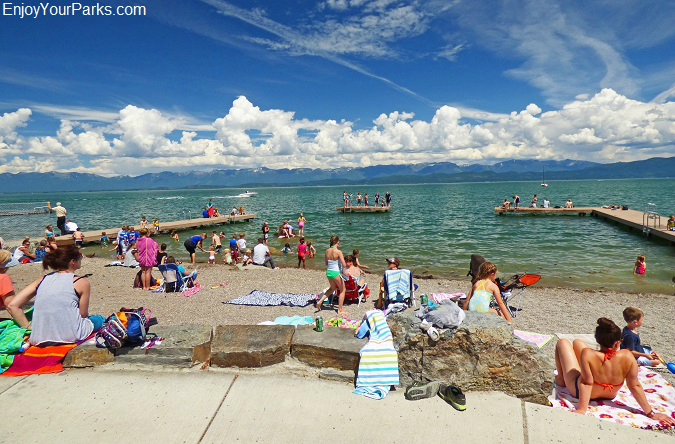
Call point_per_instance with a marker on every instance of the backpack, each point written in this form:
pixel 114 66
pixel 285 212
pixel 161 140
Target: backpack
pixel 126 326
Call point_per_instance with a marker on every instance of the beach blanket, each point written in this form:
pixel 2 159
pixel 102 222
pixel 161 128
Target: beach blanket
pixel 589 339
pixel 39 360
pixel 438 297
pixel 398 283
pixel 536 338
pixel 196 288
pixel 624 409
pixel 294 320
pixel 11 341
pixel 378 363
pixel 265 299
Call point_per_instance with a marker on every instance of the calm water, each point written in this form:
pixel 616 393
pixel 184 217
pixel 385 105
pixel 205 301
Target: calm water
pixel 433 229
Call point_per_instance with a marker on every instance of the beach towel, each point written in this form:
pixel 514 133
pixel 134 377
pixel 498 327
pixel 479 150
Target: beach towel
pixel 294 320
pixel 343 323
pixel 439 297
pixel 11 341
pixel 265 299
pixel 399 284
pixel 624 409
pixel 536 338
pixel 378 363
pixel 39 360
pixel 196 288
pixel 589 339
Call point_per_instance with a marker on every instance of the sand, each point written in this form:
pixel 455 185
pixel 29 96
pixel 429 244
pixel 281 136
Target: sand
pixel 545 310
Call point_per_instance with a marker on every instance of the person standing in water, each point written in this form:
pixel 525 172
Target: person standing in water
pixel 301 225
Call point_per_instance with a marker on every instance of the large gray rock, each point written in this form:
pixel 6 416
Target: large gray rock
pixel 183 345
pixel 87 355
pixel 333 347
pixel 250 345
pixel 482 354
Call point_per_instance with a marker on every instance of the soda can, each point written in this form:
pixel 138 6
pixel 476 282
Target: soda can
pixel 319 323
pixel 424 299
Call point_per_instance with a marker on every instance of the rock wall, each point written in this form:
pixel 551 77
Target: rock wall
pixel 482 354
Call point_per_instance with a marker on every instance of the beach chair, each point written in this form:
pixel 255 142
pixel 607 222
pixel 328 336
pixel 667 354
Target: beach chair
pixel 512 290
pixel 397 286
pixel 353 292
pixel 174 281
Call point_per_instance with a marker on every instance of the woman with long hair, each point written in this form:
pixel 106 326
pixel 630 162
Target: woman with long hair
pixel 147 257
pixel 591 374
pixel 484 291
pixel 335 262
pixel 61 305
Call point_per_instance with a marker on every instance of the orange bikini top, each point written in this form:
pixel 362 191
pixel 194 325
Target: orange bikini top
pixel 609 354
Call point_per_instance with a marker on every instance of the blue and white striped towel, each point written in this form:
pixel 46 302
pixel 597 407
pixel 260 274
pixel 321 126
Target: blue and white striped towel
pixel 378 365
pixel 399 284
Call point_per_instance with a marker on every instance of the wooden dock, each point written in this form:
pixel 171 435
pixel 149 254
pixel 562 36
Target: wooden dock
pixel 165 227
pixel 357 209
pixel 630 218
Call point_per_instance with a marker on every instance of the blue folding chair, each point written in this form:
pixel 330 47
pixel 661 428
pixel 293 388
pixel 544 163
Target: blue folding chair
pixel 174 281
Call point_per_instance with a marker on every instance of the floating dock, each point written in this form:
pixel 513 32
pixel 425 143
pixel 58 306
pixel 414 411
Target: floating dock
pixel 165 227
pixel 358 209
pixel 649 223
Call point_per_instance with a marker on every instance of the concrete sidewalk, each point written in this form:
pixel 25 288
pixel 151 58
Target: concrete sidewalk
pixel 214 407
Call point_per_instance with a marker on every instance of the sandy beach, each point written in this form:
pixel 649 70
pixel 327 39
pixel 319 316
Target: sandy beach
pixel 545 310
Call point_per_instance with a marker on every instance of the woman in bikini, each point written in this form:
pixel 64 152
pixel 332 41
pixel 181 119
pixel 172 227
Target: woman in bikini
pixel 335 261
pixel 591 374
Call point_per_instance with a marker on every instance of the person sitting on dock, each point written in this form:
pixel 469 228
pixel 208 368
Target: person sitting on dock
pixel 671 223
pixel 234 211
pixel 569 204
pixel 216 213
pixel 205 213
pixel 547 203
pixel 506 204
pixel 71 227
pixel 241 210
pixel 49 232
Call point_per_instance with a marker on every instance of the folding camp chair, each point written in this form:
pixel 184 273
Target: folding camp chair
pixel 174 281
pixel 512 290
pixel 397 286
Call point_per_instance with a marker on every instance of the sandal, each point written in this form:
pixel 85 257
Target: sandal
pixel 420 390
pixel 453 395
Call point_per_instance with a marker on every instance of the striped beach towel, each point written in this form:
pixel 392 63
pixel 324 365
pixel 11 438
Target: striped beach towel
pixel 39 360
pixel 378 365
pixel 398 283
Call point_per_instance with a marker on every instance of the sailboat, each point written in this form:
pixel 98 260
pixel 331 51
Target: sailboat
pixel 543 181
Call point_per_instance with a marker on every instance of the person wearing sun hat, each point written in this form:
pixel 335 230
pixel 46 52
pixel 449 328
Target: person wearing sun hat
pixel 6 284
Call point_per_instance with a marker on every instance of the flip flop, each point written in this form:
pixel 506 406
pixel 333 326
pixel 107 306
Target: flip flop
pixel 420 390
pixel 453 395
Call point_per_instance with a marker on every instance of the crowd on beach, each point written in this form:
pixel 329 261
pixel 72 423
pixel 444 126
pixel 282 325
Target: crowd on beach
pixel 60 312
pixel 349 200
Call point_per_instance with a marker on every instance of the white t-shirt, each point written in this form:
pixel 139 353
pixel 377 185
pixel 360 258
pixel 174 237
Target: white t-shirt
pixel 71 226
pixel 242 244
pixel 546 203
pixel 259 253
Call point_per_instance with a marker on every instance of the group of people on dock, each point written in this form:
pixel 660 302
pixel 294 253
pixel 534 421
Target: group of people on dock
pixel 348 200
pixel 507 204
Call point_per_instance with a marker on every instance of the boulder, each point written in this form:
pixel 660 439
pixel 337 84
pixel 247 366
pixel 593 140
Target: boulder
pixel 333 347
pixel 250 345
pixel 183 345
pixel 482 354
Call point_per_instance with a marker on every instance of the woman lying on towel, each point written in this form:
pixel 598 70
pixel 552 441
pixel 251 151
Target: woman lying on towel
pixel 590 374
pixel 61 305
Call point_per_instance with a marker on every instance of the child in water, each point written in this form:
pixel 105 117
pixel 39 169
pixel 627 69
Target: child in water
pixel 286 249
pixel 640 266
pixel 212 255
pixel 104 239
pixel 311 251
pixel 174 235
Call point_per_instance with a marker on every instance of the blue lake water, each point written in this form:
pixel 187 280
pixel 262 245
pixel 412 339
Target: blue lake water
pixel 433 228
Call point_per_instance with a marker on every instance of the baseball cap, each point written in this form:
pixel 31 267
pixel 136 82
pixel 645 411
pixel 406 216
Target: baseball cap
pixel 394 260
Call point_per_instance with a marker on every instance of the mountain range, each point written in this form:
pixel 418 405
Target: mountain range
pixel 439 172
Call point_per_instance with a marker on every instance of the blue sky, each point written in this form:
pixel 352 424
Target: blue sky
pixel 337 82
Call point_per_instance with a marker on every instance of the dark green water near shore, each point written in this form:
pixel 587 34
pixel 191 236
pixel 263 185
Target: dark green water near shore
pixel 433 229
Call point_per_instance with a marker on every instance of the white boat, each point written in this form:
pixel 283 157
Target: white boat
pixel 543 182
pixel 243 195
pixel 250 193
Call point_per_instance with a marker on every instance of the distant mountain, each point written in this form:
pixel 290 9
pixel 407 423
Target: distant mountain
pixel 413 173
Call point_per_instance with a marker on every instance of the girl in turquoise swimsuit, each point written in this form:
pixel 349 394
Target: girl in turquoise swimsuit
pixel 335 261
pixel 484 291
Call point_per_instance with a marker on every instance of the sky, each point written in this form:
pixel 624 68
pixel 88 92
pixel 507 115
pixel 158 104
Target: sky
pixel 203 84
